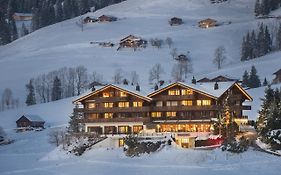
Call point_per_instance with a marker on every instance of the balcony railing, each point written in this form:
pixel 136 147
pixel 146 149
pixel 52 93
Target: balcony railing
pixel 184 108
pixel 173 97
pixel 101 120
pixel 114 109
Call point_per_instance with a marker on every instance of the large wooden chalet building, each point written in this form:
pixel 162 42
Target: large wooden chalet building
pixel 177 108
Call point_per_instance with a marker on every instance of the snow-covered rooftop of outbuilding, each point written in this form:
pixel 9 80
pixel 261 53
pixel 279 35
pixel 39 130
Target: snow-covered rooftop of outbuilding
pixel 34 118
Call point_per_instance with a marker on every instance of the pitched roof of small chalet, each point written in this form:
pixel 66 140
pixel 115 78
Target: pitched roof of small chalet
pixel 207 20
pixel 126 88
pixel 24 14
pixel 108 16
pixel 176 18
pixel 206 88
pixel 277 72
pixel 32 118
pixel 205 79
pixel 224 77
pixel 132 37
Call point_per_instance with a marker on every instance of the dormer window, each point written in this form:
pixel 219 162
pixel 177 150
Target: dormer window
pixel 123 94
pixel 174 92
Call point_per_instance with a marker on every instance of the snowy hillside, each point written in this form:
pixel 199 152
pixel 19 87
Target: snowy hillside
pixel 64 44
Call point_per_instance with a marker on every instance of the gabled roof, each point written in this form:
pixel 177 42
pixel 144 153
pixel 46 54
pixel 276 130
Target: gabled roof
pixel 32 118
pixel 125 88
pixel 130 37
pixel 220 77
pixel 277 72
pixel 208 20
pixel 205 79
pixel 205 88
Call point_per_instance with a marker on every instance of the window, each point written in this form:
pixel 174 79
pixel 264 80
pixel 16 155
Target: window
pixel 159 103
pixel 174 92
pixel 123 94
pixel 137 104
pixel 171 114
pixel 137 128
pixel 105 94
pixel 93 116
pixel 121 142
pixel 172 103
pixel 206 102
pixel 108 105
pixel 186 102
pixel 186 92
pixel 156 114
pixel 123 129
pixel 203 102
pixel 123 104
pixel 108 115
pixel 91 105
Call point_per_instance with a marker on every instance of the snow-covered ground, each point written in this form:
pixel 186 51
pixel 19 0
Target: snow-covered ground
pixel 64 44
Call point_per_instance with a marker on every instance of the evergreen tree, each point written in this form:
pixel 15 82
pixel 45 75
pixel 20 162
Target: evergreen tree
pixel 265 83
pixel 278 38
pixel 253 81
pixel 57 89
pixel 245 79
pixel 261 41
pixel 253 41
pixel 257 8
pixel 30 99
pixel 267 41
pixel 243 51
pixel 74 122
pixel 59 11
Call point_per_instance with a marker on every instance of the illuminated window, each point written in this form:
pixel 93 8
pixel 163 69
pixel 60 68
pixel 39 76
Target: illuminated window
pixel 105 94
pixel 186 102
pixel 159 103
pixel 171 114
pixel 123 104
pixel 203 102
pixel 186 92
pixel 172 103
pixel 108 115
pixel 123 129
pixel 121 142
pixel 123 94
pixel 137 128
pixel 206 102
pixel 174 92
pixel 108 105
pixel 91 105
pixel 93 116
pixel 156 114
pixel 137 104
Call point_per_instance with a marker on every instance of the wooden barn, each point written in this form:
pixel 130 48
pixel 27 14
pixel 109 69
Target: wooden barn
pixel 22 16
pixel 277 78
pixel 30 121
pixel 175 21
pixel 207 23
pixel 89 20
pixel 107 18
pixel 132 42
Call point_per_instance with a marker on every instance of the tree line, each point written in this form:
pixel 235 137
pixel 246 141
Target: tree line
pixel 264 7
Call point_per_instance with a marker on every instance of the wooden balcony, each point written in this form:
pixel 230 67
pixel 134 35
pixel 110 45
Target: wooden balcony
pixel 185 108
pixel 113 110
pixel 181 118
pixel 173 97
pixel 111 99
pixel 105 120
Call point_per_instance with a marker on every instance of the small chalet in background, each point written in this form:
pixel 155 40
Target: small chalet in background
pixel 89 20
pixel 34 121
pixel 219 78
pixel 107 18
pixel 22 16
pixel 132 42
pixel 175 21
pixel 207 23
pixel 277 78
pixel 181 57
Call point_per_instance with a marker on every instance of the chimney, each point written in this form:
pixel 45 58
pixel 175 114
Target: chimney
pixel 216 86
pixel 93 88
pixel 138 87
pixel 156 87
pixel 193 80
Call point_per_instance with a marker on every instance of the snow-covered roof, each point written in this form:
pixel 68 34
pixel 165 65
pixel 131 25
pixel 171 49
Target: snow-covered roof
pixel 33 118
pixel 128 88
pixel 204 87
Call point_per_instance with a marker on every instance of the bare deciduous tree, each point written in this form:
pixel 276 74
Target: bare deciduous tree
pixel 81 78
pixel 156 42
pixel 174 53
pixel 57 137
pixel 118 76
pixel 134 78
pixel 169 41
pixel 155 72
pixel 181 68
pixel 7 99
pixel 219 57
